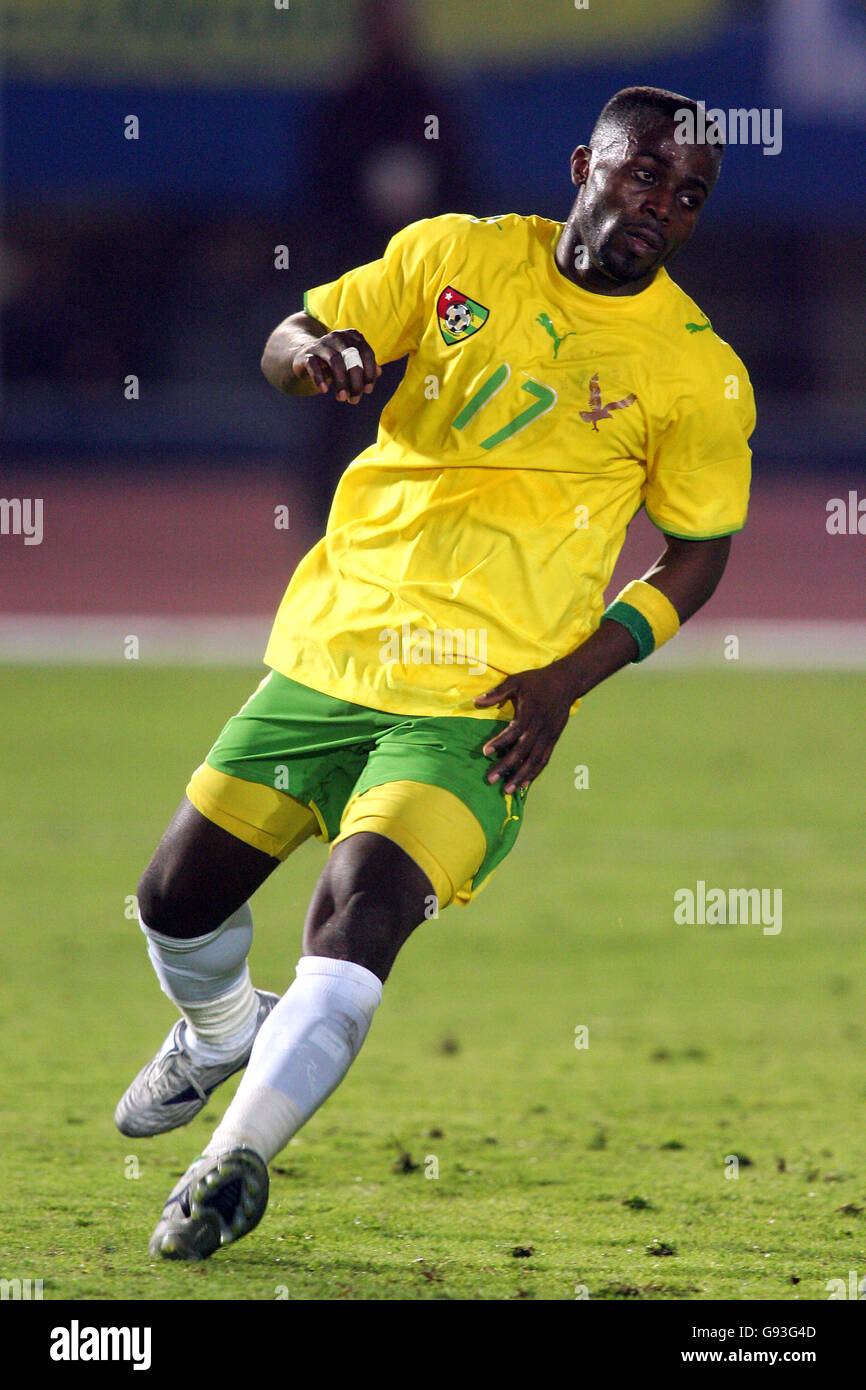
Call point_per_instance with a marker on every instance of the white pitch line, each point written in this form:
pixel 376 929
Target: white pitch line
pixel 762 644
pixel 186 641
pixel 765 644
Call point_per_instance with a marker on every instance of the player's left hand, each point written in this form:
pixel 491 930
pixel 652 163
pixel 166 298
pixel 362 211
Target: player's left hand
pixel 542 700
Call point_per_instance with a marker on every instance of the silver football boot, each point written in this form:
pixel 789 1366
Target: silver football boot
pixel 172 1088
pixel 217 1201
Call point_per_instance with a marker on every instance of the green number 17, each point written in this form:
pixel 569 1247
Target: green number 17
pixel 545 398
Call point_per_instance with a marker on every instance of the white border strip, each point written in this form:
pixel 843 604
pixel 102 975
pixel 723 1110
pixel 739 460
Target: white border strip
pixel 240 641
pixel 765 644
pixel 187 641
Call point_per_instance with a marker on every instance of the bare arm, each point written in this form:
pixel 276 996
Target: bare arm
pixel 302 358
pixel 687 573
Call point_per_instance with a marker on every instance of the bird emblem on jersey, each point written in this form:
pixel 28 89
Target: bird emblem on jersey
pixel 597 411
pixel 459 316
pixel 547 324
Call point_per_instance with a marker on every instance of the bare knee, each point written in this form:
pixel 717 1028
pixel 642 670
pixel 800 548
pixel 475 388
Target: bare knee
pixel 360 929
pixel 198 876
pixel 370 898
pixel 168 906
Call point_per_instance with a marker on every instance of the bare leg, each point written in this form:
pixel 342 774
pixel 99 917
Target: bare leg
pixel 369 899
pixel 198 876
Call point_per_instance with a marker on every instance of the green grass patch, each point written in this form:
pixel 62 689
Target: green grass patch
pixel 473 1151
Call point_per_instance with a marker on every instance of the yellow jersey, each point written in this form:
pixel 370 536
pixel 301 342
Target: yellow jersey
pixel 476 537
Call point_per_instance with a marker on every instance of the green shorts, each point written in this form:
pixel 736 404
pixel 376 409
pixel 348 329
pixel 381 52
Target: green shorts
pixel 316 752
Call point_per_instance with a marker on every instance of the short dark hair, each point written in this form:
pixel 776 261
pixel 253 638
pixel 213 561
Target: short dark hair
pixel 627 108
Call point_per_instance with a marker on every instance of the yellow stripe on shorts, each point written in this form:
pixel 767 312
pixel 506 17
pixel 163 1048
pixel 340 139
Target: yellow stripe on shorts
pixel 432 825
pixel 261 816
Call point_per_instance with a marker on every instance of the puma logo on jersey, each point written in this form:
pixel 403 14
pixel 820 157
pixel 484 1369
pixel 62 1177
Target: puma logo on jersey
pixel 547 324
pixel 597 411
pixel 697 327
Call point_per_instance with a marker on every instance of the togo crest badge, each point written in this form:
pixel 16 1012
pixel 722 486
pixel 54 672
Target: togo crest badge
pixel 459 316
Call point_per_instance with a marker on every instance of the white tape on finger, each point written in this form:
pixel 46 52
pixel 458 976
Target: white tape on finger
pixel 352 358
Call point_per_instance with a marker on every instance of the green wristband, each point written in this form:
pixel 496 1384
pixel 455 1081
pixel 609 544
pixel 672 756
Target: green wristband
pixel 635 622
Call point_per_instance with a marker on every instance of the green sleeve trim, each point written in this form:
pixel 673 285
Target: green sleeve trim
pixel 636 624
pixel 681 535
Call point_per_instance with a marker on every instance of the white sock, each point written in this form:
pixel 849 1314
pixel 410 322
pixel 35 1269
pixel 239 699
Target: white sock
pixel 303 1051
pixel 207 977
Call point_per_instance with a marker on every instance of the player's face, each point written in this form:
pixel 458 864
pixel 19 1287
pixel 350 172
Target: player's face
pixel 640 199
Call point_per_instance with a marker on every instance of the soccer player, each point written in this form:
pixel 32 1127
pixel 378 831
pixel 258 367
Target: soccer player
pixel 430 648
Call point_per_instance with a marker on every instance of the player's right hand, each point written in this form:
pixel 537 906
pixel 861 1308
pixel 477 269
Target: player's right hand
pixel 323 363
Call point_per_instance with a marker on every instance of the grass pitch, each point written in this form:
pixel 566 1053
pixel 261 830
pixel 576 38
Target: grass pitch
pixel 474 1150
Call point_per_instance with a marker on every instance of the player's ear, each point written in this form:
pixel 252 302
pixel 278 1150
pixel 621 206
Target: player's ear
pixel 580 164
